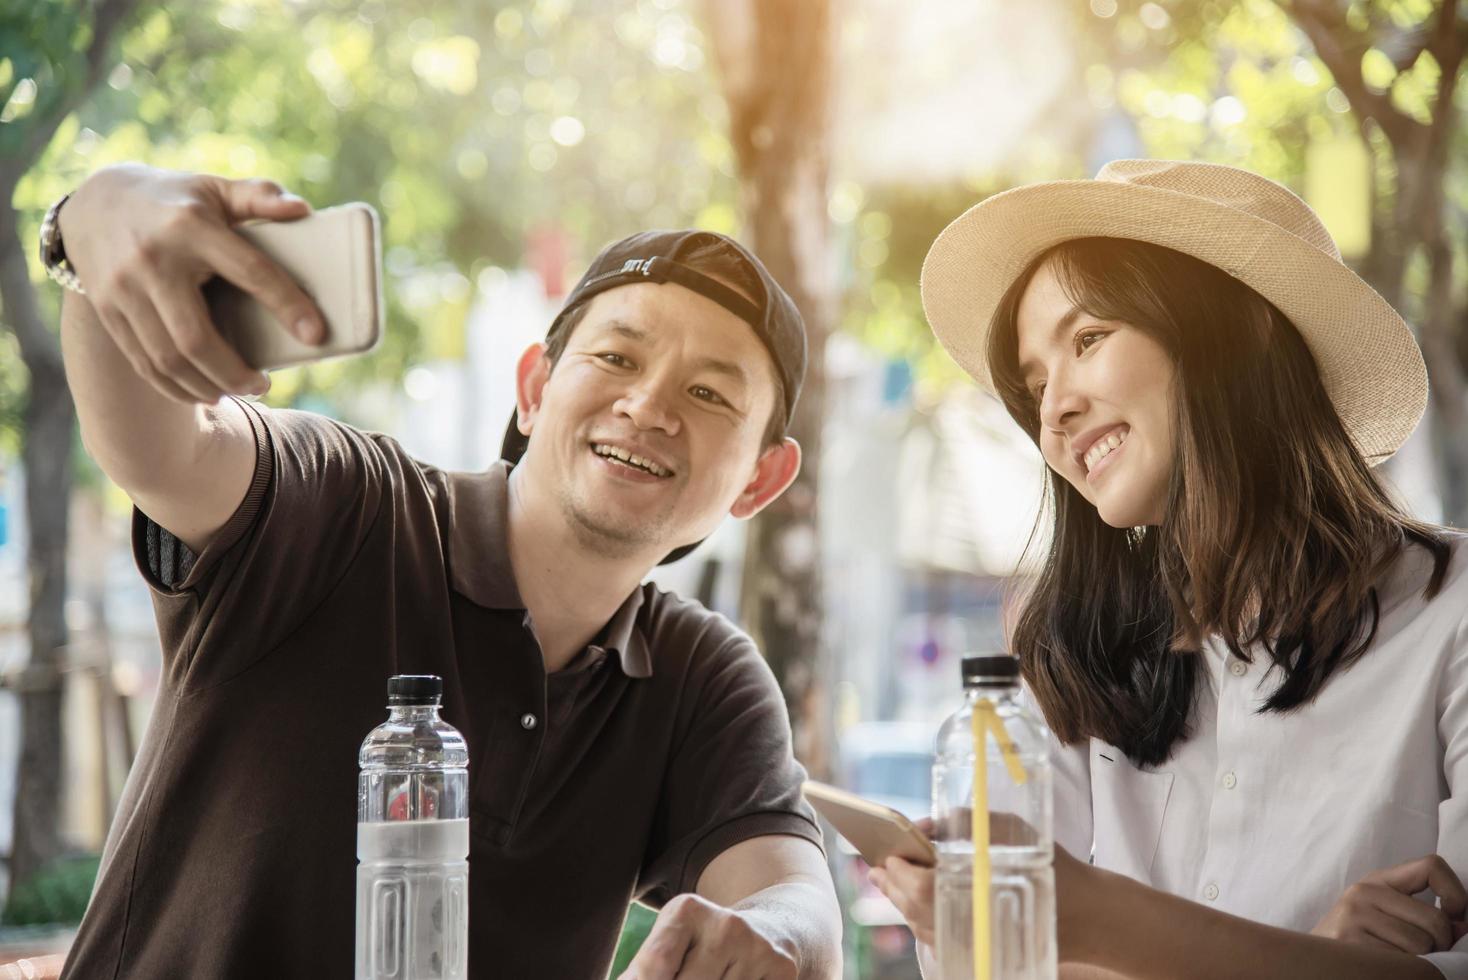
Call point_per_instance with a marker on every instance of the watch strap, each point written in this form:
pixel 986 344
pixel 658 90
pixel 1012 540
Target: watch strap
pixel 53 250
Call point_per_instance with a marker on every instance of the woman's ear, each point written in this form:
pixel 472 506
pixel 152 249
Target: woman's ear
pixel 532 372
pixel 775 470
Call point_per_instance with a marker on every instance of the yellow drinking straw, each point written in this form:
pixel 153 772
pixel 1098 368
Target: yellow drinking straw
pixel 983 718
pixel 986 722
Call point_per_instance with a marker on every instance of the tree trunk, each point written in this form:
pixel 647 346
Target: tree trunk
pixel 49 421
pixel 1420 152
pixel 46 456
pixel 1447 388
pixel 775 59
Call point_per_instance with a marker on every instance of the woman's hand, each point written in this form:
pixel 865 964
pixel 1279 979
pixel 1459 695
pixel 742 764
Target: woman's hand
pixel 1379 910
pixel 909 887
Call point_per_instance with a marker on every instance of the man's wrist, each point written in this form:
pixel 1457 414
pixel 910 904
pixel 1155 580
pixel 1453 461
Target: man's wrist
pixel 53 249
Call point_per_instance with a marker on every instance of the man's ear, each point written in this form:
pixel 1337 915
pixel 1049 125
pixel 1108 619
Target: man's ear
pixel 776 469
pixel 531 373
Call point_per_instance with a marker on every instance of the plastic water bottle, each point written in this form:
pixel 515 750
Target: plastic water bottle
pixel 1014 790
pixel 413 840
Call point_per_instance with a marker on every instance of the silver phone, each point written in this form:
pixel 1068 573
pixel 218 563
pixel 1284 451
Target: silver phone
pixel 876 831
pixel 336 257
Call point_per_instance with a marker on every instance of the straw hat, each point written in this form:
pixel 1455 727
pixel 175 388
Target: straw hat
pixel 1251 227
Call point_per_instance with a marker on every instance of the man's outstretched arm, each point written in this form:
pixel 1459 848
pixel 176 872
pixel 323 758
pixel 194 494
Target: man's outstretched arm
pixel 764 908
pixel 144 361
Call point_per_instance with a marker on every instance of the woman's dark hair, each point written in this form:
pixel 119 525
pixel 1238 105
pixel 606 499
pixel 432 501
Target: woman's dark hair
pixel 1276 532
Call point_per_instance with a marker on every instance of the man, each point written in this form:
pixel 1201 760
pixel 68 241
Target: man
pixel 623 743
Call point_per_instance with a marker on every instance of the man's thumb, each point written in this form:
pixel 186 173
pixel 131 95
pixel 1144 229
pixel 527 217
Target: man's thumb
pixel 245 200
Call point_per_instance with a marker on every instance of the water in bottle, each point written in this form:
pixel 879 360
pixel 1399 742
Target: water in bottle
pixel 413 841
pixel 1013 787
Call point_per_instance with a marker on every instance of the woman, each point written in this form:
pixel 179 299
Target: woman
pixel 1254 662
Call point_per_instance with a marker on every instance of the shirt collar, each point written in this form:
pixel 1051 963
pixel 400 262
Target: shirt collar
pixel 480 570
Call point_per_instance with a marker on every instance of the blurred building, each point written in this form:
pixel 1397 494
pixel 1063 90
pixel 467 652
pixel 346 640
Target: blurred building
pixel 925 513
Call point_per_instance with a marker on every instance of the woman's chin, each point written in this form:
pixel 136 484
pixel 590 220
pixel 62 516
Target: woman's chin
pixel 1125 517
pixel 1117 505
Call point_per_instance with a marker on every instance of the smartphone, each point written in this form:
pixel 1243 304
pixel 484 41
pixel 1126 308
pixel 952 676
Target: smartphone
pixel 335 256
pixel 876 831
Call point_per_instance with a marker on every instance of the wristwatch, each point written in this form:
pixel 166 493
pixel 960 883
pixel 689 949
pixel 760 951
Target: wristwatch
pixel 53 251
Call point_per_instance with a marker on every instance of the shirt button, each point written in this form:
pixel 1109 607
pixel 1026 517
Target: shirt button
pixel 1230 780
pixel 528 721
pixel 1211 892
pixel 1238 668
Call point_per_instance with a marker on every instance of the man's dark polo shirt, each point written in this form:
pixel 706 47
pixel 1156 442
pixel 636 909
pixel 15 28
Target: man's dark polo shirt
pixel 233 849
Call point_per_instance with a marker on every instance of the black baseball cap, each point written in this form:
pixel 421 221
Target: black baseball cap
pixel 656 256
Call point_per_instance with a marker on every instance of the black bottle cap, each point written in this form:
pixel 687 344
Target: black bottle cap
pixel 998 670
pixel 415 689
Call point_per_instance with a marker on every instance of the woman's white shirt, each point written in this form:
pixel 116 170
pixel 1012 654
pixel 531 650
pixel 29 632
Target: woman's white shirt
pixel 1272 816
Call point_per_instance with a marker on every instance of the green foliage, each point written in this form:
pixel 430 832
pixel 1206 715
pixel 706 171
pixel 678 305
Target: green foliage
pixel 1227 82
pixel 56 894
pixel 1235 83
pixel 468 126
pixel 885 243
pixel 12 394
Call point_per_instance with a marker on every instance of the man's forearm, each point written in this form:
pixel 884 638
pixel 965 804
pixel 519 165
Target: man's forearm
pixel 804 919
pixel 1144 933
pixel 186 466
pixel 127 425
pixel 147 366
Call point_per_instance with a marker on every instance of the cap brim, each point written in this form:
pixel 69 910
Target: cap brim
pixel 1369 362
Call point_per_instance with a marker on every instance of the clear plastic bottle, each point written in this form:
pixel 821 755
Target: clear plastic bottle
pixel 413 840
pixel 1021 852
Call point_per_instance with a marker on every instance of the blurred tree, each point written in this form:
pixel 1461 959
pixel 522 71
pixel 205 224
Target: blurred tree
pixel 1401 66
pixel 775 62
pixel 51 57
pixel 1260 82
pixel 469 126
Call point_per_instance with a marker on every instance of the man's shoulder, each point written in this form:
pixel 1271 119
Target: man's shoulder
pixel 303 426
pixel 323 443
pixel 676 626
pixel 709 667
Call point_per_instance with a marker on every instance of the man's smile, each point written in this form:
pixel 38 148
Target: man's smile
pixel 624 458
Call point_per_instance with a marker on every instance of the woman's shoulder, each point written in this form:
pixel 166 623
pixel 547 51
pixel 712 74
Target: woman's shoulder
pixel 1457 555
pixel 1407 591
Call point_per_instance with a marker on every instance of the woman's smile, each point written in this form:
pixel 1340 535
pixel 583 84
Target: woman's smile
pixel 1103 452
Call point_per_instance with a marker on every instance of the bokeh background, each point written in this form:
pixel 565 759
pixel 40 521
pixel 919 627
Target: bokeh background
pixel 504 141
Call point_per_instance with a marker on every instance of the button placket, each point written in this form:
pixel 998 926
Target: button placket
pixel 1233 724
pixel 504 779
pixel 1224 811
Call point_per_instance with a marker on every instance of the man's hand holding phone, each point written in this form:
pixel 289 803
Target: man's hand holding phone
pixel 145 241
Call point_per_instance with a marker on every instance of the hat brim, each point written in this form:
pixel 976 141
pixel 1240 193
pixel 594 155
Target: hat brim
pixel 1369 362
